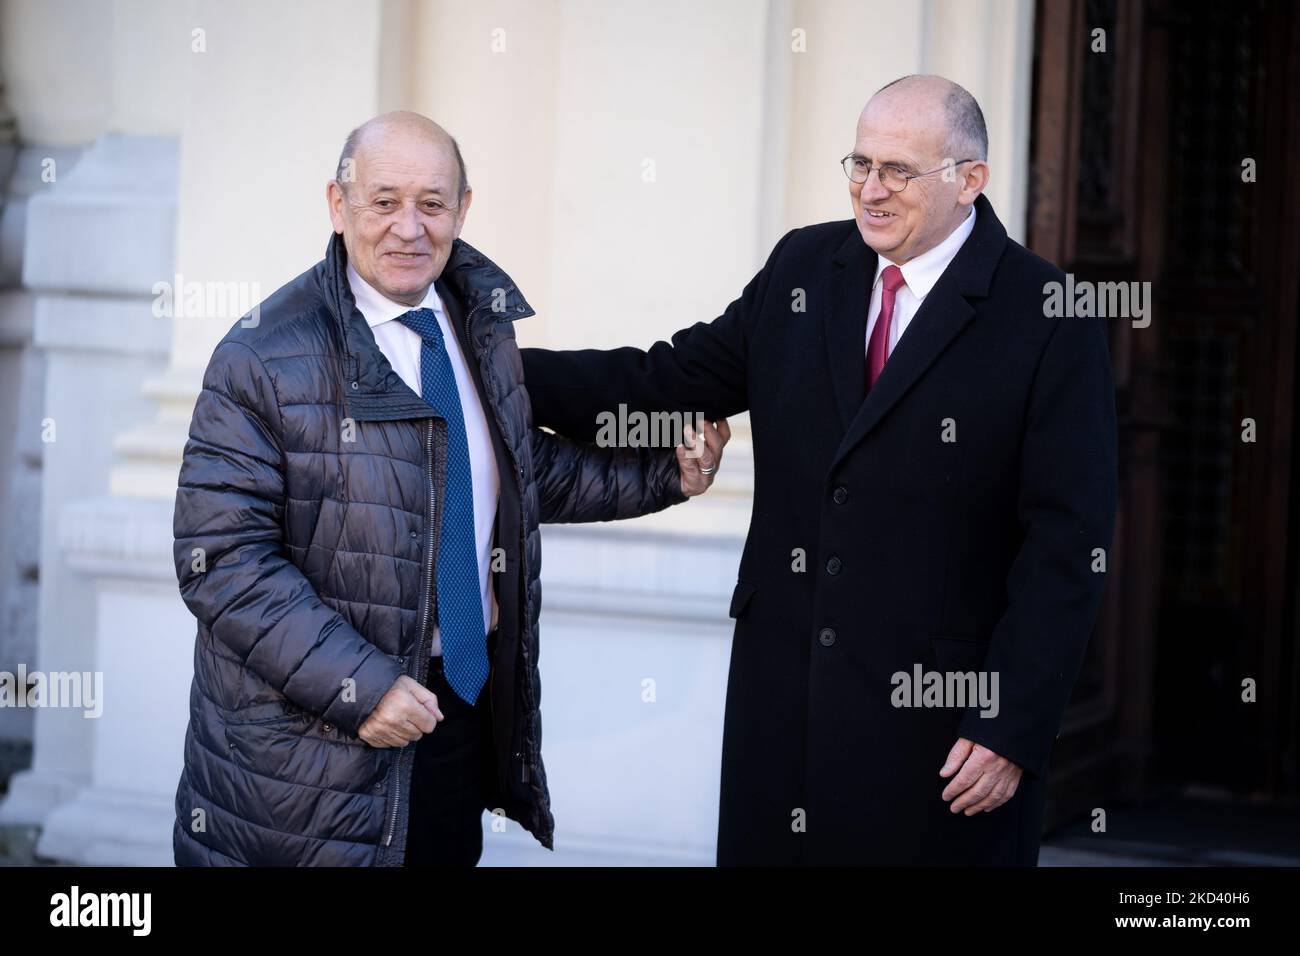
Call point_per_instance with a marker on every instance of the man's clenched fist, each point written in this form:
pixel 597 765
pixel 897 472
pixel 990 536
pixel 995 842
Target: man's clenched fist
pixel 405 714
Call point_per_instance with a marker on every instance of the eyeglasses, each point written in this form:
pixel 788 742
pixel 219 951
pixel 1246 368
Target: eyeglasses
pixel 858 169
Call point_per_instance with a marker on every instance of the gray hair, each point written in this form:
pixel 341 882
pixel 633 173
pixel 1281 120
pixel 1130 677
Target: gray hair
pixel 968 138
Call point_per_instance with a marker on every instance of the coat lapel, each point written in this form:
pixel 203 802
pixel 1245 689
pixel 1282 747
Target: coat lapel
pixel 852 270
pixel 942 316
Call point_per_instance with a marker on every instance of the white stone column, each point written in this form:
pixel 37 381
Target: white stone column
pixel 22 390
pixel 92 320
pixel 270 92
pixel 95 235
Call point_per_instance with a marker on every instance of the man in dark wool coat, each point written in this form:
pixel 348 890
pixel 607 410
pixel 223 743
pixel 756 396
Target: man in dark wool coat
pixel 934 495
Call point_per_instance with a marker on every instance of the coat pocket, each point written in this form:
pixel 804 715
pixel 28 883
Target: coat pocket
pixel 279 710
pixel 740 598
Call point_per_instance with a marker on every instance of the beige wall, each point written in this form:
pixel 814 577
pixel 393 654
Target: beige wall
pixel 487 71
pixel 268 107
pixel 848 57
pixel 743 132
pixel 75 70
pixel 987 47
pixel 559 105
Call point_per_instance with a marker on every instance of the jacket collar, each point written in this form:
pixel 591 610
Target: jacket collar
pixel 944 313
pixel 372 390
pixel 377 309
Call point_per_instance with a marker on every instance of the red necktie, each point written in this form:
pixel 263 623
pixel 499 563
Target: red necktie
pixel 878 347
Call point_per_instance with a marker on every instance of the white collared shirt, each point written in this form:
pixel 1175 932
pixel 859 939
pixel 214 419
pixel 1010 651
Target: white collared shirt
pixel 401 346
pixel 920 275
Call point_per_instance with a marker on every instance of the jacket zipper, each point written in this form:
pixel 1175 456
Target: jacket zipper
pixel 421 664
pixel 421 661
pixel 492 671
pixel 519 485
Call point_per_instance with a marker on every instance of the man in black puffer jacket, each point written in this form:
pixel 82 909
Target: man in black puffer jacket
pixel 362 445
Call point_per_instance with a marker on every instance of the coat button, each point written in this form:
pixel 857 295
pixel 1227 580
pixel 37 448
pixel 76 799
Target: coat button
pixel 415 534
pixel 356 385
pixel 833 565
pixel 327 727
pixel 826 636
pixel 840 495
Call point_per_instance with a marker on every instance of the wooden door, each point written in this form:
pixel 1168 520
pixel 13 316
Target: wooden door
pixel 1137 160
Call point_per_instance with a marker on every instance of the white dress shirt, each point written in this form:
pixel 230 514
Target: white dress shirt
pixel 401 346
pixel 920 275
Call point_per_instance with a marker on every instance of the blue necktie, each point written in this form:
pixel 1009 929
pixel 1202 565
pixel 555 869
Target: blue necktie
pixel 460 602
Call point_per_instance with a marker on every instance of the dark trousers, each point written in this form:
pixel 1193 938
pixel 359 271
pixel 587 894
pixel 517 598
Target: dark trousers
pixel 451 781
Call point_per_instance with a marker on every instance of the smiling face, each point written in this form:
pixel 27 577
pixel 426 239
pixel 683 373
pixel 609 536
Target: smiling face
pixel 402 213
pixel 906 126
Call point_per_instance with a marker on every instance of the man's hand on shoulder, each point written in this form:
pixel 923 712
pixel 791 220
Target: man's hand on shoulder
pixel 405 714
pixel 699 457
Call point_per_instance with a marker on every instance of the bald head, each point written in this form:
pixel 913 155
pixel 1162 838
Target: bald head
pixel 939 103
pixel 389 129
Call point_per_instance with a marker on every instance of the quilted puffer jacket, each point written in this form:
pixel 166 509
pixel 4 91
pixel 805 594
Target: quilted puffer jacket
pixel 307 519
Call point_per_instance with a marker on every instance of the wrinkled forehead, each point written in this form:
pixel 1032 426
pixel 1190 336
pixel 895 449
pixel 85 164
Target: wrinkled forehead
pixel 406 163
pixel 901 128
